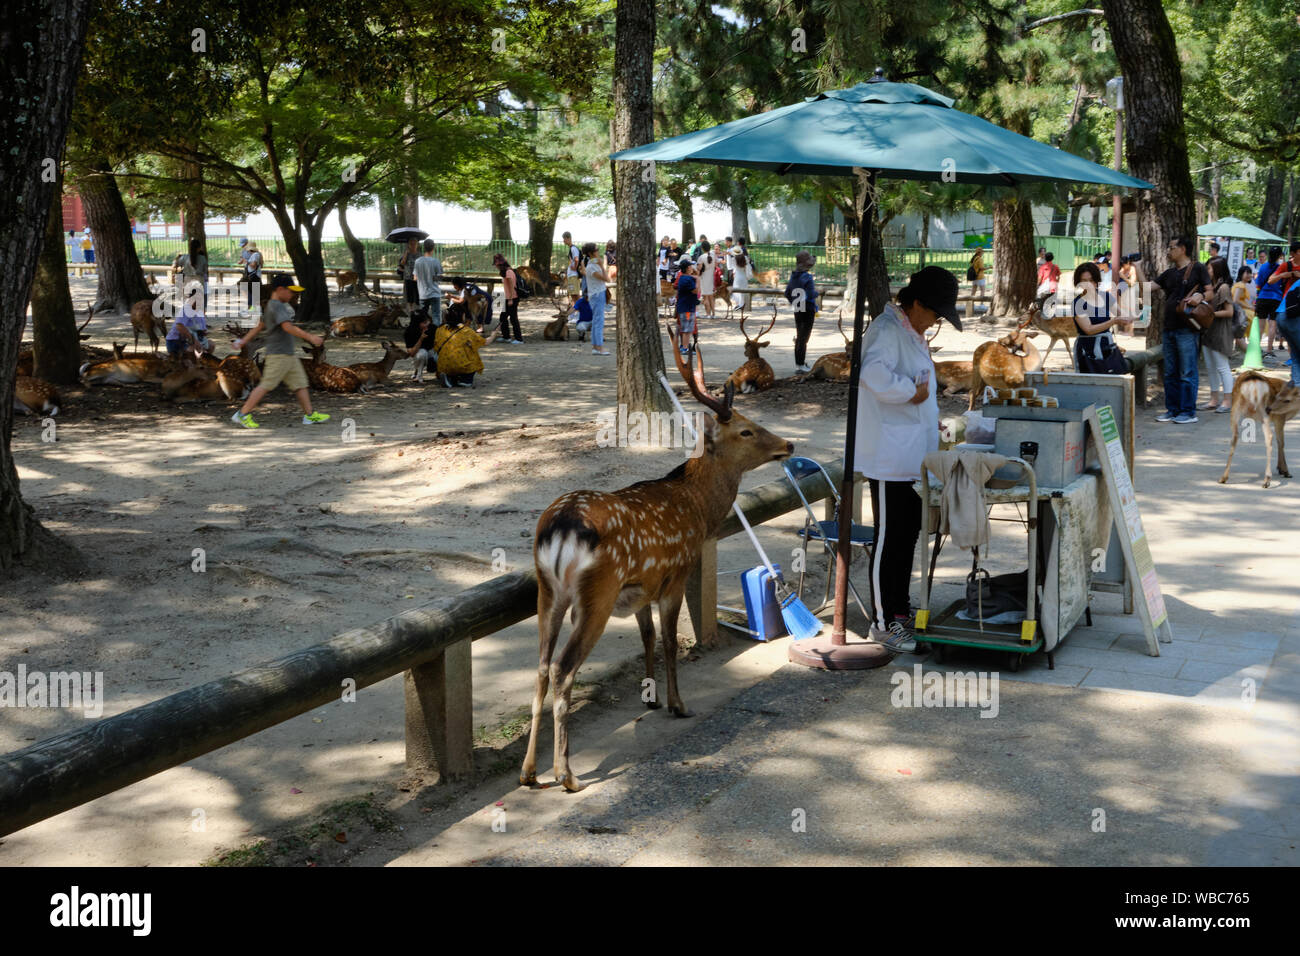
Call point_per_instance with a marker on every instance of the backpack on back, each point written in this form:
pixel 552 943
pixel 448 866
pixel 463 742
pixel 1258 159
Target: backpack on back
pixel 522 289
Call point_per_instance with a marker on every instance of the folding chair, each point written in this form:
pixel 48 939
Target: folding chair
pixel 827 532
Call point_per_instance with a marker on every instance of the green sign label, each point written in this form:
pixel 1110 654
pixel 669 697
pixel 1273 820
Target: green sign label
pixel 1109 430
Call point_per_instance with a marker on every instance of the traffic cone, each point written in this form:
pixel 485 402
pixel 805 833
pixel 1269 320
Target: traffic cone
pixel 1254 355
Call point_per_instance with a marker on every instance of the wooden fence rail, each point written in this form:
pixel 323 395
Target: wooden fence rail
pixel 430 643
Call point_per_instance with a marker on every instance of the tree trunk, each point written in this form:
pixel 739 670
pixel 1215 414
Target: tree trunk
pixel 193 209
pixel 740 208
pixel 56 347
pixel 308 268
pixel 40 54
pixel 410 214
pixel 121 280
pixel 1073 229
pixel 1014 276
pixel 386 198
pixel 500 225
pixel 542 215
pixel 1216 190
pixel 823 220
pixel 640 347
pixel 680 195
pixel 1272 200
pixel 1155 136
pixel 353 243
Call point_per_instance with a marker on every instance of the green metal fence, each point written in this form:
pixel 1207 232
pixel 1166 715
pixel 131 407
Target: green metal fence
pixel 382 257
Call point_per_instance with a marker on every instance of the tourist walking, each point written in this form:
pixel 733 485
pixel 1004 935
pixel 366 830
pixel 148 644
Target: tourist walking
pixel 252 260
pixel 1179 339
pixel 596 277
pixel 1216 342
pixel 573 273
pixel 74 247
pixel 801 292
pixel 510 301
pixel 282 362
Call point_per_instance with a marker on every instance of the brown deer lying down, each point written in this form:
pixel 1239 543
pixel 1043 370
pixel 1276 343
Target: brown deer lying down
pixel 557 330
pixel 617 553
pixel 373 374
pixel 325 377
pixel 756 374
pixel 1270 401
pixel 124 369
pixel 33 396
pixel 368 324
pixel 1001 365
pixel 834 366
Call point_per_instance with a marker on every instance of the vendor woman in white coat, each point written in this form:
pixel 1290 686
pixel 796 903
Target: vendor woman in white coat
pixel 898 424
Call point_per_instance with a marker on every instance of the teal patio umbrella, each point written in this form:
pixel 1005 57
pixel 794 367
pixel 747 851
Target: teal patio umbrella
pixel 1230 227
pixel 875 130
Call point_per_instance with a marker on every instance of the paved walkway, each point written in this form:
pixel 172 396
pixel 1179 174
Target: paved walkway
pixel 1113 758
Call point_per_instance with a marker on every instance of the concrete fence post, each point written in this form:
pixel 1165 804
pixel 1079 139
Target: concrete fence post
pixel 440 714
pixel 702 596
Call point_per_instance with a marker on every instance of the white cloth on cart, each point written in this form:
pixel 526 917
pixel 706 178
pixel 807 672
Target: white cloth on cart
pixel 963 514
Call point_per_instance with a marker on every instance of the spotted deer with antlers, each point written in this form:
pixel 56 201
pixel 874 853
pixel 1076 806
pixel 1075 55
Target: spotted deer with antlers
pixel 617 553
pixel 756 374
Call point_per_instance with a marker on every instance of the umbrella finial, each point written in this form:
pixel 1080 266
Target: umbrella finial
pixel 879 76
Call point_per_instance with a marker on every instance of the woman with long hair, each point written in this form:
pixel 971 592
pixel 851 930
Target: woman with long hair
pixel 596 276
pixel 1216 342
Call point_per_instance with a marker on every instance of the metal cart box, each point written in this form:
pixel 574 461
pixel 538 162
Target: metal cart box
pixel 1059 433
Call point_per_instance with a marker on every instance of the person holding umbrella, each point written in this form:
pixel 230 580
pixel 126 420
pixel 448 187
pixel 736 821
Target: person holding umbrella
pixel 898 424
pixel 406 266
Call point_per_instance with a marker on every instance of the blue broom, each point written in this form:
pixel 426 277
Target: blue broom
pixel 799 621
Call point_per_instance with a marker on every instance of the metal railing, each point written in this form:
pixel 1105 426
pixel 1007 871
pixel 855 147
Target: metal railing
pixel 430 643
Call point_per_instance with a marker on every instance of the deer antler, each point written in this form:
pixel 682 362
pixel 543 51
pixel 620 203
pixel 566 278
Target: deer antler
pixel 770 325
pixel 695 381
pixel 839 323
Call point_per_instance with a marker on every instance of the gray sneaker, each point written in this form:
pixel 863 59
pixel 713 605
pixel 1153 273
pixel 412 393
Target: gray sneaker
pixel 1166 417
pixel 897 637
pixel 1186 419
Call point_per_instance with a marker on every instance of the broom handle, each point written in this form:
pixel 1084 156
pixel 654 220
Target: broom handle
pixel 735 506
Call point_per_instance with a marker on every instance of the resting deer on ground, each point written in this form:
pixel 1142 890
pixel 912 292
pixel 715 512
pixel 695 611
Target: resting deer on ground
pixel 557 330
pixel 330 378
pixel 1270 401
pixel 124 369
pixel 34 396
pixel 756 374
pixel 373 374
pixel 835 366
pixel 999 363
pixel 616 553
pixel 144 320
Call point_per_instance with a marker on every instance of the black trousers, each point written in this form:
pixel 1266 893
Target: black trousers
pixel 803 324
pixel 896 509
pixel 510 313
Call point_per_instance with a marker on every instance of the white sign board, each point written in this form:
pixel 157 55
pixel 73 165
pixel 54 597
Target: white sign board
pixel 1128 524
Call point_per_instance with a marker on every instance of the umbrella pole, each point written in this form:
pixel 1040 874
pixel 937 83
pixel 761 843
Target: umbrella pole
pixel 836 652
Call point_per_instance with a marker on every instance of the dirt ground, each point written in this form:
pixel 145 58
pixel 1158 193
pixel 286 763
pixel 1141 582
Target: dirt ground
pixel 304 535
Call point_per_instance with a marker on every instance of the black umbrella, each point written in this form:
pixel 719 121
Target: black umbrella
pixel 406 234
